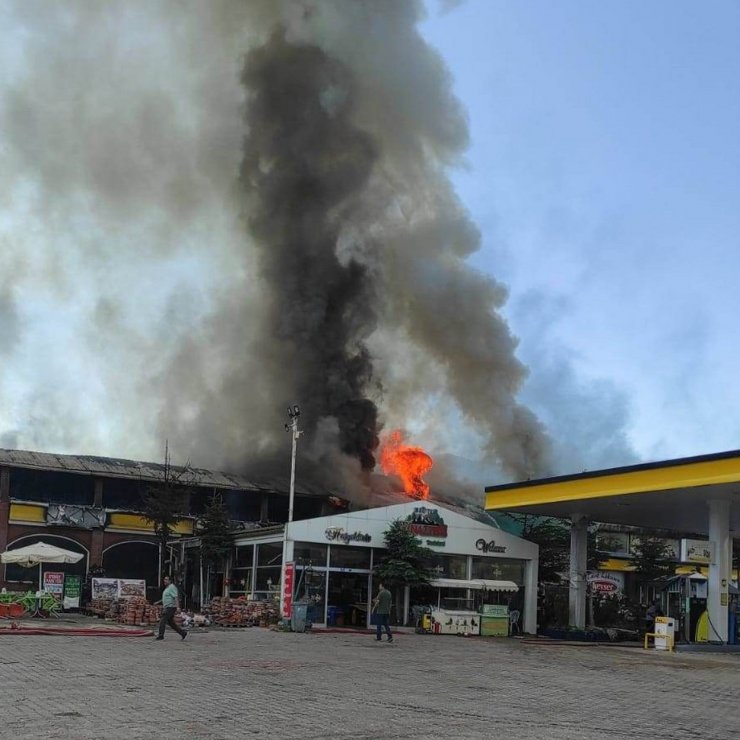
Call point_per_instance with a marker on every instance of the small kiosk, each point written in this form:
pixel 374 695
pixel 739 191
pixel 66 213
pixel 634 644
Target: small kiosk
pixel 330 562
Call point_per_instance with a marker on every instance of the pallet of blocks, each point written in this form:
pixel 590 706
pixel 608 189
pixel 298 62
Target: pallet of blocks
pixel 240 612
pixel 227 612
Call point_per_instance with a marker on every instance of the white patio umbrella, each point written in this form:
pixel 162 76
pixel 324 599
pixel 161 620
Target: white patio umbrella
pixel 38 553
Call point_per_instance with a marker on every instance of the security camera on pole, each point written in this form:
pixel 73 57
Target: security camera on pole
pixel 288 569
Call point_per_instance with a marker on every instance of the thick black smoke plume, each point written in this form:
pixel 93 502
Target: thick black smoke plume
pixel 304 171
pixel 214 210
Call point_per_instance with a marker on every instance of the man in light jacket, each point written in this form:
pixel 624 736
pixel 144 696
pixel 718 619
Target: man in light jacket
pixel 171 603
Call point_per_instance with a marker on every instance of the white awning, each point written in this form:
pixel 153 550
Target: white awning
pixel 40 552
pixel 482 585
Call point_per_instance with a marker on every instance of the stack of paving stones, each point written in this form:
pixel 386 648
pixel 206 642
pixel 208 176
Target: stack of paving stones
pixel 239 612
pixel 132 611
pixel 100 605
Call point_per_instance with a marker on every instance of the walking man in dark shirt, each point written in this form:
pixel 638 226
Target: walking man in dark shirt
pixel 382 609
pixel 170 604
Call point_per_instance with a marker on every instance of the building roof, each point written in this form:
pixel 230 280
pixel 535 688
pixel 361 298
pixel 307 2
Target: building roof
pixel 113 467
pixel 671 494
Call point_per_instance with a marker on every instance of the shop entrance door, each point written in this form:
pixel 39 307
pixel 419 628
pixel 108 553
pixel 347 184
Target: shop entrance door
pixel 311 588
pixel 347 602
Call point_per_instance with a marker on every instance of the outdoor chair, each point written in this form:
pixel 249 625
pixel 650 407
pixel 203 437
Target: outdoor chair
pixel 514 615
pixel 50 604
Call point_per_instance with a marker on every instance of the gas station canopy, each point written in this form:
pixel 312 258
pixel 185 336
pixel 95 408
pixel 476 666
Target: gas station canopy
pixel 665 495
pixel 691 495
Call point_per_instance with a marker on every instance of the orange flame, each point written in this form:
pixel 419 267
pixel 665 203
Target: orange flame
pixel 408 463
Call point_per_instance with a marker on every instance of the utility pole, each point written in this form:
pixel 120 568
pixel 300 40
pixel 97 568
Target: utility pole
pixel 288 569
pixel 292 427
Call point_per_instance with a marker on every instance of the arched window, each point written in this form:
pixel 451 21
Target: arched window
pixel 134 559
pixel 24 579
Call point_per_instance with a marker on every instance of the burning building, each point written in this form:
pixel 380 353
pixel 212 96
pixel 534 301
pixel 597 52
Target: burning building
pixel 92 505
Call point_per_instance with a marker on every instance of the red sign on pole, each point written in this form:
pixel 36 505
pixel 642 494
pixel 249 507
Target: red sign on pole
pixel 54 583
pixel 288 574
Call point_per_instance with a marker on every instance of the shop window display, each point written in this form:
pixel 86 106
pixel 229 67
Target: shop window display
pixel 311 588
pixel 498 569
pixel 240 581
pixel 347 604
pixel 267 581
pixel 449 566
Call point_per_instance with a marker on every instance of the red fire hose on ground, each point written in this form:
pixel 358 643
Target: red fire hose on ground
pixel 15 629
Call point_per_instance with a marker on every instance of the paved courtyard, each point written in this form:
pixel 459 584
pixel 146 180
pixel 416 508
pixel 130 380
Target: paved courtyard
pixel 258 683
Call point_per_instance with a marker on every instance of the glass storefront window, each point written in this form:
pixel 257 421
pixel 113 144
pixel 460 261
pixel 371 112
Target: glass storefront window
pixel 243 556
pixel 309 553
pixel 498 569
pixel 341 556
pixel 241 580
pixel 270 554
pixel 448 566
pixel 267 579
pixel 312 589
pixel 347 602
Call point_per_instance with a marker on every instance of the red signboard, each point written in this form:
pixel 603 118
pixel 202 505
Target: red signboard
pixel 54 583
pixel 604 587
pixel 426 522
pixel 429 530
pixel 288 573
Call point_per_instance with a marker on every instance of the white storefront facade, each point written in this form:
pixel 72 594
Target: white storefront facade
pixel 329 562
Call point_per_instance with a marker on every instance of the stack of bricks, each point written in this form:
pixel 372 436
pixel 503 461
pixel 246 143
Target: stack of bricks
pixel 114 610
pixel 265 612
pixel 242 613
pixel 152 613
pixel 230 612
pixel 100 605
pixel 138 611
pixel 133 611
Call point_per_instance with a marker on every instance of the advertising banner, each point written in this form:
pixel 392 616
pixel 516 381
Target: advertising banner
pixel 54 583
pixel 117 588
pixel 128 587
pixel 288 573
pixel 72 588
pixel 697 551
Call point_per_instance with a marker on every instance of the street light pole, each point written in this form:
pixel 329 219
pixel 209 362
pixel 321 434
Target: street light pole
pixel 286 581
pixel 292 427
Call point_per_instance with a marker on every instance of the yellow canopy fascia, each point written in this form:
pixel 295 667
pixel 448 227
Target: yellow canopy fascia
pixel 603 485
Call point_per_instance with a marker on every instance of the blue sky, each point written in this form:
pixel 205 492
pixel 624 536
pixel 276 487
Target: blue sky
pixel 604 173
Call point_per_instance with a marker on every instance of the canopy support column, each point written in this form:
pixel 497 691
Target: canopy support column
pixel 530 597
pixel 719 569
pixel 577 581
pixel 4 515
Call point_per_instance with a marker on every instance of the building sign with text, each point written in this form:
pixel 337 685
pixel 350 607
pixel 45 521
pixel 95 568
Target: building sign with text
pixel 54 583
pixel 288 574
pixel 697 551
pixel 425 522
pixel 605 582
pixel 489 546
pixel 338 534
